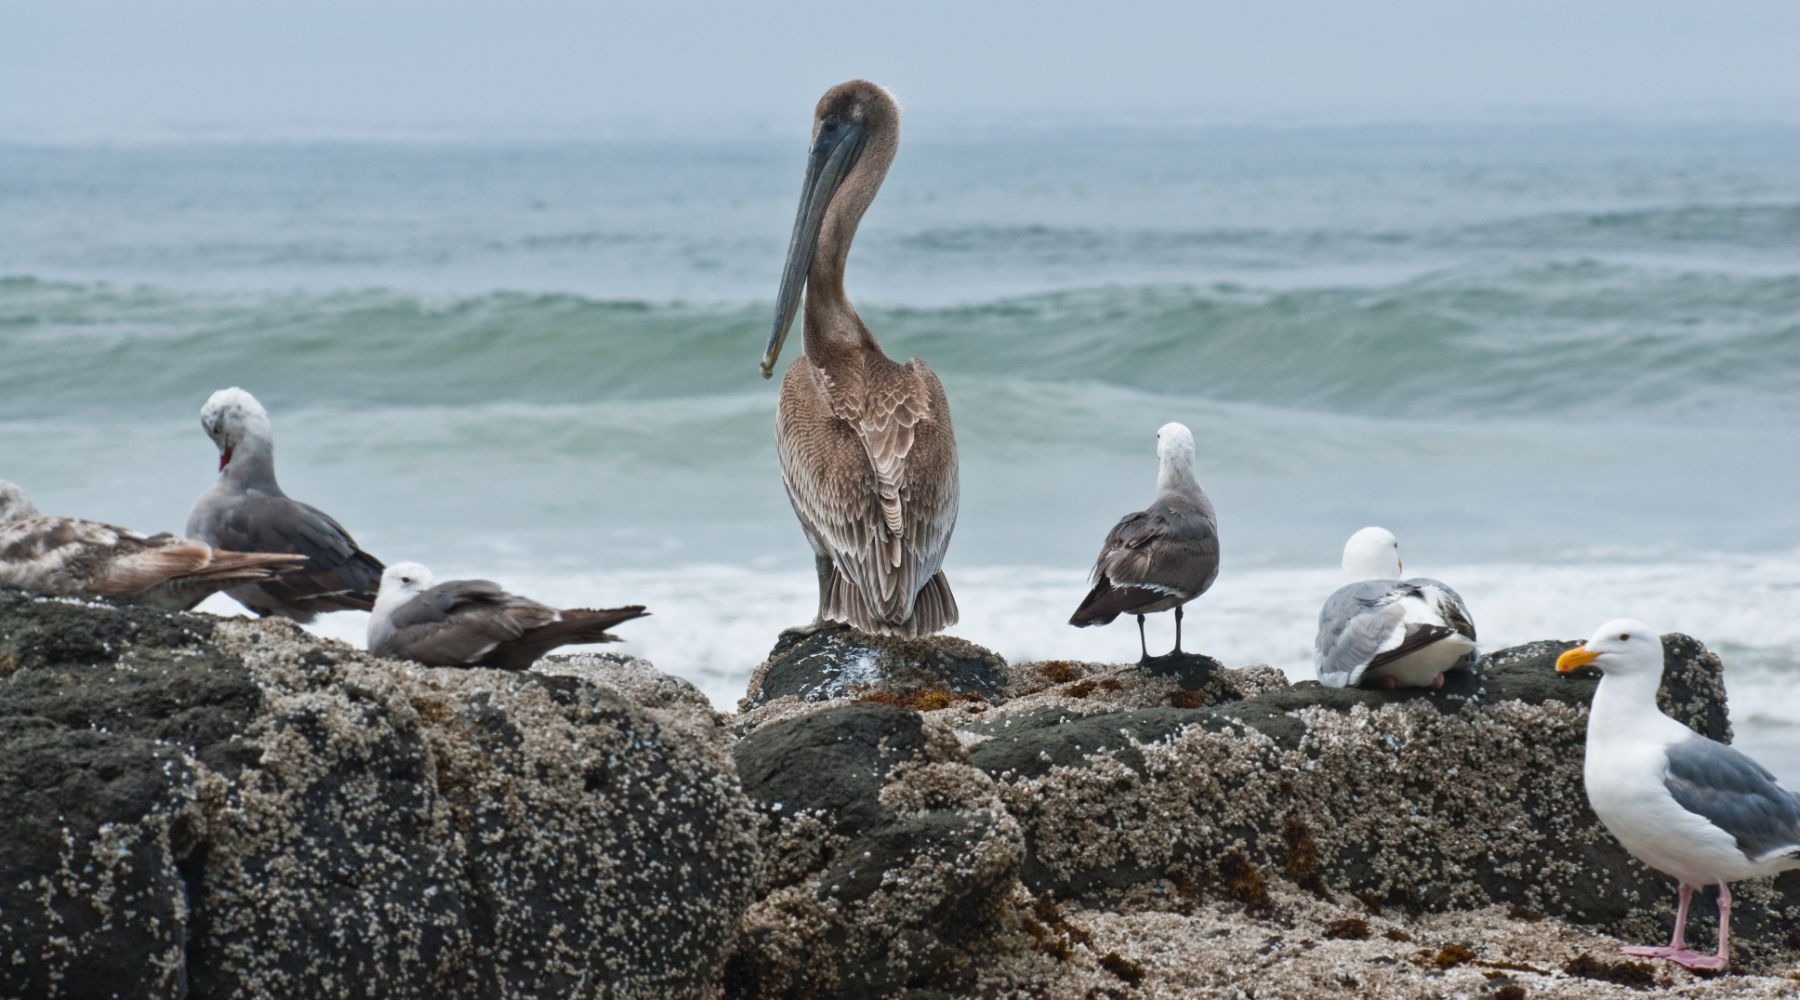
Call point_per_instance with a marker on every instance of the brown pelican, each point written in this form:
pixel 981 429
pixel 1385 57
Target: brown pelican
pixel 246 510
pixel 70 557
pixel 473 623
pixel 1162 556
pixel 867 451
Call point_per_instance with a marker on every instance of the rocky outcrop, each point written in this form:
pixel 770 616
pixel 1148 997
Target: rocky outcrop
pixel 1458 799
pixel 206 807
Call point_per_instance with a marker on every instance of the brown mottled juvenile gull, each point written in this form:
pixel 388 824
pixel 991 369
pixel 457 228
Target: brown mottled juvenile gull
pixel 1688 806
pixel 1162 556
pixel 245 510
pixel 474 623
pixel 70 557
pixel 867 452
pixel 1401 632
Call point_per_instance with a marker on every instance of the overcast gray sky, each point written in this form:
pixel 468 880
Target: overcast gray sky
pixel 98 66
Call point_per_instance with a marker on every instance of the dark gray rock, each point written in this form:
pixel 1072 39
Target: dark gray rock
pixel 841 662
pixel 232 808
pixel 887 854
pixel 834 761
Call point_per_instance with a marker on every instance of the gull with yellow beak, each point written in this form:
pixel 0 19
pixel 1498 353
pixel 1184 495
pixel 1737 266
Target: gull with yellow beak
pixel 1687 806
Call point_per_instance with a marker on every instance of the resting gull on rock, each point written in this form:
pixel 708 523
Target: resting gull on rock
pixel 474 623
pixel 1162 556
pixel 1401 632
pixel 70 557
pixel 1685 805
pixel 245 510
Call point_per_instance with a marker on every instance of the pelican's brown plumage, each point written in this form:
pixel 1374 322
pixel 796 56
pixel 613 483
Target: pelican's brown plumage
pixel 70 557
pixel 866 447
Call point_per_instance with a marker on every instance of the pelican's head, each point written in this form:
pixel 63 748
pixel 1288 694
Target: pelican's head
pixel 232 417
pixel 14 506
pixel 1623 646
pixel 1372 554
pixel 856 131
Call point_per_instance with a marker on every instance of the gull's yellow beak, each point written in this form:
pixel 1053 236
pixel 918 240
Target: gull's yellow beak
pixel 1575 659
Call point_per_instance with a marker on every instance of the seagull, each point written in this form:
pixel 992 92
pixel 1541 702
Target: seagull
pixel 473 623
pixel 245 510
pixel 1162 556
pixel 867 452
pixel 1403 632
pixel 70 557
pixel 1687 806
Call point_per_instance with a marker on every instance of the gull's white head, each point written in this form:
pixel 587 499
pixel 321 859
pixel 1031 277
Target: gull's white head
pixel 405 580
pixel 232 418
pixel 14 506
pixel 1623 646
pixel 1372 554
pixel 1175 443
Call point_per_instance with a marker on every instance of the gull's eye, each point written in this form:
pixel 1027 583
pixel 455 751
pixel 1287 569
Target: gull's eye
pixel 406 579
pixel 1623 636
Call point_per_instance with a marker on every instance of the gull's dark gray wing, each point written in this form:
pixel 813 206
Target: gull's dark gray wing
pixel 1163 555
pixel 460 622
pixel 338 575
pixel 1735 794
pixel 1356 619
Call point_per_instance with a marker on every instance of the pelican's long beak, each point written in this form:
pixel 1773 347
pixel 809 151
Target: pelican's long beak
pixel 836 149
pixel 1575 659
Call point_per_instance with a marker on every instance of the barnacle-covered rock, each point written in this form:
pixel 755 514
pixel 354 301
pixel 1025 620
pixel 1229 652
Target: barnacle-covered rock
pixel 1430 800
pixel 235 808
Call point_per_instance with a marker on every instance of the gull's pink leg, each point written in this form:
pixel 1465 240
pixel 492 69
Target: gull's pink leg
pixel 1677 943
pixel 1678 952
pixel 1388 683
pixel 1437 682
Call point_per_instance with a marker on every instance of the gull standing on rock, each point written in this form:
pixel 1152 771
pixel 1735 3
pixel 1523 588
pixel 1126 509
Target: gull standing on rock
pixel 473 623
pixel 70 557
pixel 866 448
pixel 245 510
pixel 1163 556
pixel 1404 632
pixel 1688 806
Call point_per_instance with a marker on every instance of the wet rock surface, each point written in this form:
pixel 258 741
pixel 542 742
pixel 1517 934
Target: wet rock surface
pixel 840 662
pixel 207 807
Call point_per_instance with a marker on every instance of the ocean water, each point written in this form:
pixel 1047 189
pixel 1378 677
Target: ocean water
pixel 1559 358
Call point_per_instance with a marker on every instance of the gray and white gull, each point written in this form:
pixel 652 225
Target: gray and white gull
pixel 1162 556
pixel 71 557
pixel 474 623
pixel 1403 633
pixel 1688 806
pixel 245 510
